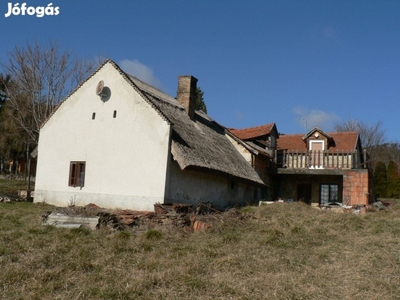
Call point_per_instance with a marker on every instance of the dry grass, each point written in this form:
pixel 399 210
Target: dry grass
pixel 9 188
pixel 282 251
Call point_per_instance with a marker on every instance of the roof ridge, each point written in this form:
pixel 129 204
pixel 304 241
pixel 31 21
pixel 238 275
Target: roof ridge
pixel 254 127
pixel 155 92
pixel 137 89
pixel 344 132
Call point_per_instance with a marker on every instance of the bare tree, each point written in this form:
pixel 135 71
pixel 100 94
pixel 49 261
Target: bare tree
pixel 372 138
pixel 370 135
pixel 40 78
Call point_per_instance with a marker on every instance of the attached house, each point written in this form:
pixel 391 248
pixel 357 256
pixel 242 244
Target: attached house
pixel 315 168
pixel 121 143
pixel 258 147
pixel 320 167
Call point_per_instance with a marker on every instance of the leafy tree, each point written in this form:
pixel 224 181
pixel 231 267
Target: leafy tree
pixel 393 180
pixel 380 179
pixel 40 77
pixel 200 104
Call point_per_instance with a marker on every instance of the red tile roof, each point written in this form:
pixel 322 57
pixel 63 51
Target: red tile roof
pixel 252 132
pixel 291 142
pixel 346 141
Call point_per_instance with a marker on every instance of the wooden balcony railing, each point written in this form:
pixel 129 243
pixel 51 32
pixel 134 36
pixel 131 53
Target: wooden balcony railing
pixel 321 159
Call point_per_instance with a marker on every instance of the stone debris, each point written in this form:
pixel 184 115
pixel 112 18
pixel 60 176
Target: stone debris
pixel 5 199
pixel 174 215
pixel 165 215
pixel 63 220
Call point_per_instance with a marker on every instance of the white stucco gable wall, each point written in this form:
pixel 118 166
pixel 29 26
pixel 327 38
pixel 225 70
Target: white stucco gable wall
pixel 126 156
pixel 241 149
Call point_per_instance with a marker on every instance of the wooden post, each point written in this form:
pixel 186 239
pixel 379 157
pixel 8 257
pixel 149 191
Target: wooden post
pixel 327 158
pixel 365 158
pixel 284 158
pixel 342 159
pixel 356 159
pixel 337 159
pixel 28 165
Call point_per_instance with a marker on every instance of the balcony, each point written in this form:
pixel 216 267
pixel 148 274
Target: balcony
pixel 320 160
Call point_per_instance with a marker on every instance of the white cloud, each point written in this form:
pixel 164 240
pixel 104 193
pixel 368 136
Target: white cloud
pixel 139 70
pixel 309 119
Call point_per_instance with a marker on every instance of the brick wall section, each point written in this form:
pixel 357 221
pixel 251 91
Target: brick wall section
pixel 355 187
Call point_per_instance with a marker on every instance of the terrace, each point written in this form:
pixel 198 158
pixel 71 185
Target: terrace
pixel 321 159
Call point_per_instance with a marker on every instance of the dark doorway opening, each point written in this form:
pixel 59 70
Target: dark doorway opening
pixel 304 192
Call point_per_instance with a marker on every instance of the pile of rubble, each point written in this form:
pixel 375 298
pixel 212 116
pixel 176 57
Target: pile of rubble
pixel 5 199
pixel 94 217
pixel 173 215
pixel 355 209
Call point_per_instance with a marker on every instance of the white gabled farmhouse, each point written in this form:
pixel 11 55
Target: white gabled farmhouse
pixel 120 143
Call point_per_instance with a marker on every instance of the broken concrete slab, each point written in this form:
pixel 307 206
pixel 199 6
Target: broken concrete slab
pixel 62 220
pixel 379 205
pixel 5 199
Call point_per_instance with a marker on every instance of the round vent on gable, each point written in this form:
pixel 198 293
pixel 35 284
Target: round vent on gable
pixel 103 91
pixel 99 88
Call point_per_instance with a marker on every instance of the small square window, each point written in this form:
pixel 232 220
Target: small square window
pixel 77 173
pixel 93 116
pixel 115 114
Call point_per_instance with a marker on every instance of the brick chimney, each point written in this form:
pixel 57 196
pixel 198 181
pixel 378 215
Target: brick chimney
pixel 186 94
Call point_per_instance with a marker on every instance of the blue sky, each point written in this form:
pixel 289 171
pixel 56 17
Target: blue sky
pixel 299 64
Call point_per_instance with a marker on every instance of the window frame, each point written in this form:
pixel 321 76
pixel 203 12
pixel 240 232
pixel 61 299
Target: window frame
pixel 77 171
pixel 330 193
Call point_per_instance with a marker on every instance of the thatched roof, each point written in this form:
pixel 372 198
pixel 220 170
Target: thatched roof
pixel 199 144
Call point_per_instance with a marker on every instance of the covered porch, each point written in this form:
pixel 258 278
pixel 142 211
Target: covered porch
pixel 320 186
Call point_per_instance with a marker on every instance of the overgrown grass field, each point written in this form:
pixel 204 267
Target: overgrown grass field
pixel 279 251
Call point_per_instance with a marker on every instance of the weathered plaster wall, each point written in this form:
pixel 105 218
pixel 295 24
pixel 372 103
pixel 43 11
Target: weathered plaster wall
pixel 261 164
pixel 126 157
pixel 193 187
pixel 241 149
